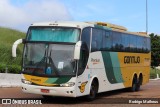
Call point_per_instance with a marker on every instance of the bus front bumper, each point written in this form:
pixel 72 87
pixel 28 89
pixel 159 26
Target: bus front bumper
pixel 51 91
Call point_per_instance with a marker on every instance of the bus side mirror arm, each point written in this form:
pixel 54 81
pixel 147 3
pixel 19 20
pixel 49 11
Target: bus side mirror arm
pixel 77 50
pixel 14 46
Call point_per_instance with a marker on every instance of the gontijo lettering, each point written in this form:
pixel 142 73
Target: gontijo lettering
pixel 131 59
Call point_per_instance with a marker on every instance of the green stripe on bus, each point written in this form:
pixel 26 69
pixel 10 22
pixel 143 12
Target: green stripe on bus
pixel 62 80
pixel 51 80
pixel 116 66
pixel 108 67
pixel 112 67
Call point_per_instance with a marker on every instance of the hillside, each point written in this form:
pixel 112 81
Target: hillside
pixel 7 38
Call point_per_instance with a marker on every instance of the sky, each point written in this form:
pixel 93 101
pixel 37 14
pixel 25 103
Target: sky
pixel 19 14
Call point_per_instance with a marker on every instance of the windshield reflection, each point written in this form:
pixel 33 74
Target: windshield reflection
pixel 49 59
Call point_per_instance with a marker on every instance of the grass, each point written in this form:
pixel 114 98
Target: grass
pixel 7 38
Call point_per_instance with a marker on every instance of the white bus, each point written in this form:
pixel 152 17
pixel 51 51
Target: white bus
pixel 73 59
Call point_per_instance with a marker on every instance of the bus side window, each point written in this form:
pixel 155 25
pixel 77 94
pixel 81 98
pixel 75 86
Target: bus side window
pixel 83 59
pixel 145 46
pixel 107 41
pixel 133 43
pixel 117 41
pixel 140 44
pixel 124 42
pixel 127 41
pixel 94 45
pixel 148 45
pixel 86 36
pixel 97 39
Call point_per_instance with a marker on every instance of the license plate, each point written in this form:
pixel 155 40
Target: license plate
pixel 44 90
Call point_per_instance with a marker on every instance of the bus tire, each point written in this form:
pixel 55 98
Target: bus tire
pixel 93 91
pixel 134 84
pixel 139 82
pixel 137 86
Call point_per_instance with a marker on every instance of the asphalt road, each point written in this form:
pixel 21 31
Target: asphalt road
pixel 150 91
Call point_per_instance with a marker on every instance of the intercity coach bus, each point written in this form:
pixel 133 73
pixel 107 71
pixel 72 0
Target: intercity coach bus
pixel 73 59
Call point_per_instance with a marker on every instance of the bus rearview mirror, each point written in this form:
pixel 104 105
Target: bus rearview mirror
pixel 77 50
pixel 14 46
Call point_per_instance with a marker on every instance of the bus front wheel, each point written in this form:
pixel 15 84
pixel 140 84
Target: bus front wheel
pixel 93 91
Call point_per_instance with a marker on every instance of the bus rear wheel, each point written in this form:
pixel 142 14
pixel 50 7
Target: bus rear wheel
pixel 139 83
pixel 134 84
pixel 93 91
pixel 137 86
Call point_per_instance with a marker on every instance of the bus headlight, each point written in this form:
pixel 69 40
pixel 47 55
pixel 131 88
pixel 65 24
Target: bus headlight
pixel 69 84
pixel 26 82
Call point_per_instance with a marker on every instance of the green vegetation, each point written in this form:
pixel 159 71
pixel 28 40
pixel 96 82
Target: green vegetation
pixel 155 50
pixel 7 38
pixel 154 72
pixel 155 55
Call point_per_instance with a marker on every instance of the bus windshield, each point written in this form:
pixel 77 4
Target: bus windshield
pixel 53 34
pixel 49 59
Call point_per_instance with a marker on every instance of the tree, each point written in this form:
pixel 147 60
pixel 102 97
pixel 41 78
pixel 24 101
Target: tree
pixel 155 49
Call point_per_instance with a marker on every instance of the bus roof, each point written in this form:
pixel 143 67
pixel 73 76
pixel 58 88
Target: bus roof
pixel 119 28
pixel 65 24
pixel 82 25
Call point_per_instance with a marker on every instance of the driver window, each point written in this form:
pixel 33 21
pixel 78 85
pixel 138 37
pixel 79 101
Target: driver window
pixel 83 59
